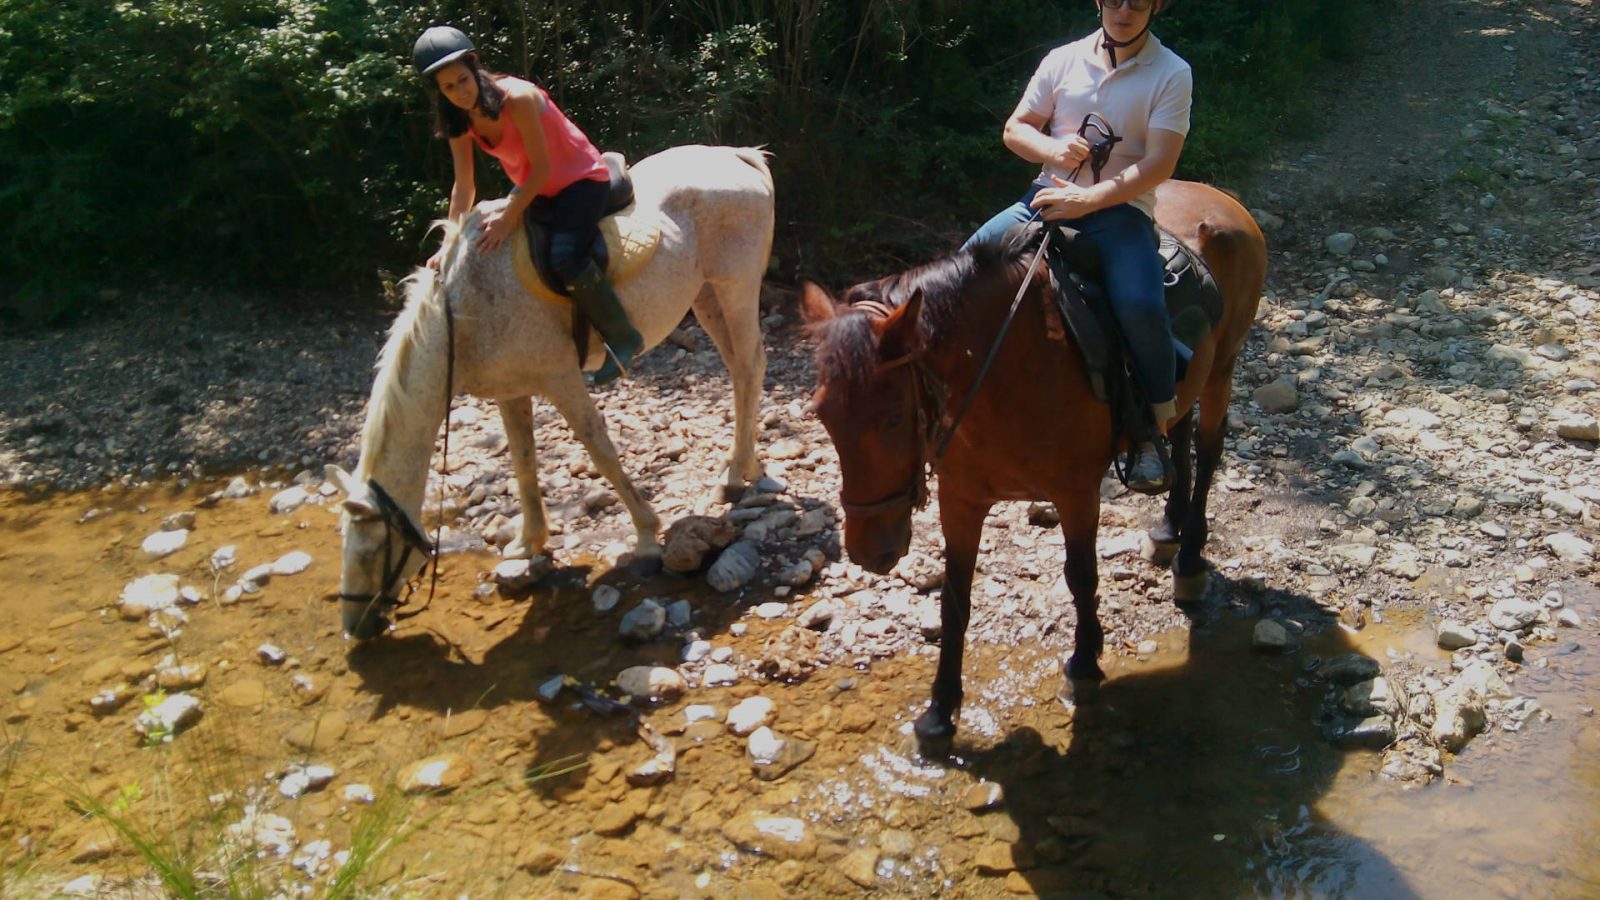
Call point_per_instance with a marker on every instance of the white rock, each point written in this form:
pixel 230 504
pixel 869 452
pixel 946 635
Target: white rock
pixel 358 793
pixel 264 832
pixel 694 651
pixel 165 543
pixel 224 557
pixel 651 682
pixel 1581 427
pixel 169 717
pixel 1269 635
pixel 1340 244
pixel 1570 547
pixel 1512 614
pixel 605 598
pixel 719 673
pixel 238 489
pixel 772 610
pixel 700 712
pixel 291 563
pixel 149 594
pixel 1454 636
pixel 765 745
pixel 287 500
pixel 1563 503
pixel 271 655
pixel 750 714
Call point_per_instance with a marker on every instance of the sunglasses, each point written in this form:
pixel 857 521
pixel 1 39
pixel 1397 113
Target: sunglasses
pixel 1137 5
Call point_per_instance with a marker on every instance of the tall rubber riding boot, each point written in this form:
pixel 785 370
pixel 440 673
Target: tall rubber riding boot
pixel 599 302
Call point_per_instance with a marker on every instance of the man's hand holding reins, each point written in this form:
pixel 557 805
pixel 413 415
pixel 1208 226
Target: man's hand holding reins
pixel 1064 201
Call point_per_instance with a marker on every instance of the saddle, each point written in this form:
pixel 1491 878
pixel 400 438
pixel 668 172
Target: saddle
pixel 625 243
pixel 1194 304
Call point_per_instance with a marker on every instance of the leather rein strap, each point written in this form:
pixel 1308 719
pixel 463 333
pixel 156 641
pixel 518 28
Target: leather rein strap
pixel 929 391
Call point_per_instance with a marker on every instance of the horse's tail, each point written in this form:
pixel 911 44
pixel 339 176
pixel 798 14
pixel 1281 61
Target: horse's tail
pixel 756 158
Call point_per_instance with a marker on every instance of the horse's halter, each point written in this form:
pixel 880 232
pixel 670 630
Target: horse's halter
pixel 928 396
pixel 395 522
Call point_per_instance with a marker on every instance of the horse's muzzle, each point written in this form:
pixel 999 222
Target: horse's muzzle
pixel 365 618
pixel 877 548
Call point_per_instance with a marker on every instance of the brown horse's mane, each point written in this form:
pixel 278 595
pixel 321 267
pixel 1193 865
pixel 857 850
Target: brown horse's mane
pixel 847 346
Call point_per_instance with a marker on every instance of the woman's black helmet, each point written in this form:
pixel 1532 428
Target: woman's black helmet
pixel 438 47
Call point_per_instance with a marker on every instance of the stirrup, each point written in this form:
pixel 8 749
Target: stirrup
pixel 1159 446
pixel 602 375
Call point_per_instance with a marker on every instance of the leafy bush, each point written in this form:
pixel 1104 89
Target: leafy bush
pixel 285 142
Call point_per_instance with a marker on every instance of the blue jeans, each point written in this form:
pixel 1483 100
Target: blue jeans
pixel 1134 276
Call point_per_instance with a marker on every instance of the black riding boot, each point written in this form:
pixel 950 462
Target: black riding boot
pixel 599 302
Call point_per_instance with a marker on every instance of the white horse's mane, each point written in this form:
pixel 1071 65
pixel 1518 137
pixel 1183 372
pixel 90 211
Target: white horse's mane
pixel 390 402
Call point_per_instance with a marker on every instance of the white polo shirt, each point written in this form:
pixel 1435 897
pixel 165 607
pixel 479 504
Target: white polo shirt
pixel 1152 90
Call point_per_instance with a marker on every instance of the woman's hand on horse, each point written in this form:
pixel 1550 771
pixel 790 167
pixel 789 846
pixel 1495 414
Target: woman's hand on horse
pixel 1073 150
pixel 1064 201
pixel 497 227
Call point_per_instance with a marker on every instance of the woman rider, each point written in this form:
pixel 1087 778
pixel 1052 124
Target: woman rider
pixel 547 158
pixel 1142 89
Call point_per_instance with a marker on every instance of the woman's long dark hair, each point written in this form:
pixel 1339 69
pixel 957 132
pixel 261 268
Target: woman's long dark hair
pixel 450 120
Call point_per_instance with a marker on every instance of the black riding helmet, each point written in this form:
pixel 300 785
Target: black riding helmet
pixel 438 47
pixel 1112 46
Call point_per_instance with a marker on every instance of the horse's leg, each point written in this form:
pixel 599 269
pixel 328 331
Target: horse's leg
pixel 962 524
pixel 730 312
pixel 516 414
pixel 1080 522
pixel 1189 570
pixel 1163 539
pixel 572 400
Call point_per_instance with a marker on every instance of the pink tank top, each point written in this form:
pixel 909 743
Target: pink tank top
pixel 572 157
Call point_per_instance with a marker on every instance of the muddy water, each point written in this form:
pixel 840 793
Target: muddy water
pixel 1193 771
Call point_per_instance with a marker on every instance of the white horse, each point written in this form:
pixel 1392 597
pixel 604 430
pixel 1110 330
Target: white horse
pixel 715 209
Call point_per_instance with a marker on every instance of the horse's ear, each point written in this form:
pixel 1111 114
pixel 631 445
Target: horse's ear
pixel 901 334
pixel 342 480
pixel 816 304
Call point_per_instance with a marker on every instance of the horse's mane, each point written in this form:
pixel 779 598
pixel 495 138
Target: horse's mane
pixel 847 350
pixel 423 293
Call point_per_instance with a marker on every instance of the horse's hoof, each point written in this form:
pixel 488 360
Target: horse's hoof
pixel 641 566
pixel 1160 553
pixel 1075 691
pixel 1190 588
pixel 1085 669
pixel 935 733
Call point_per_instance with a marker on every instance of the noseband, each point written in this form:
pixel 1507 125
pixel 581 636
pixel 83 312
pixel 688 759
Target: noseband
pixel 928 395
pixel 395 523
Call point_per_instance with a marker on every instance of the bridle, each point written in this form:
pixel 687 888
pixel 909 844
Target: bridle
pixel 929 396
pixel 395 519
pixel 395 522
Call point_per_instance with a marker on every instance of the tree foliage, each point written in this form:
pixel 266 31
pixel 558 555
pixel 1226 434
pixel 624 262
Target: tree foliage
pixel 286 142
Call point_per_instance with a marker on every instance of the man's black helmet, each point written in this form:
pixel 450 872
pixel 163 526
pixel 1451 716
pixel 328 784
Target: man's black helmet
pixel 438 47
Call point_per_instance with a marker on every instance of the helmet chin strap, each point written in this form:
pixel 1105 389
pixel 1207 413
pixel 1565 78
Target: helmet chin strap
pixel 1111 44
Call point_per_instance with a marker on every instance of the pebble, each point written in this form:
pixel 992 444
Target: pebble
pixel 983 795
pixel 1269 636
pixel 152 593
pixel 653 683
pixel 719 674
pixel 735 567
pixel 179 521
pixel 1513 615
pixel 287 500
pixel 772 610
pixel 750 714
pixel 165 543
pixel 167 719
pixel 1455 635
pixel 644 622
pixel 292 563
pixel 777 837
pixel 457 724
pixel 224 557
pixel 299 781
pixel 1340 244
pixel 1579 428
pixel 436 773
pixel 860 866
pixel 518 575
pixel 358 793
pixel 1570 548
pixel 605 598
pixel 319 733
pixel 1278 397
pixel 271 655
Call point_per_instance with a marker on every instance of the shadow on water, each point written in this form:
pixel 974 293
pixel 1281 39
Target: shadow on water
pixel 1196 773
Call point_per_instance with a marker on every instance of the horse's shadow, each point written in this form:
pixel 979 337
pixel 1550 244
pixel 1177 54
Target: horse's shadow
pixel 461 654
pixel 1196 779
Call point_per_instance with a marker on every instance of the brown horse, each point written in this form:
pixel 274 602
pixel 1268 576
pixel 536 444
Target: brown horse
pixel 896 358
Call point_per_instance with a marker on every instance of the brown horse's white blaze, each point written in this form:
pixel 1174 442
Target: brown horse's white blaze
pixel 907 348
pixel 715 209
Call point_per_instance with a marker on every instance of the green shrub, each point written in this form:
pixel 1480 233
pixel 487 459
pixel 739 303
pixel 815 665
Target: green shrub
pixel 286 142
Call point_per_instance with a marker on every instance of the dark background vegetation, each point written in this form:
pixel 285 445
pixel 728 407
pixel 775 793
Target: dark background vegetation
pixel 284 144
